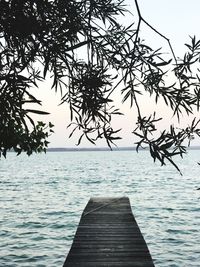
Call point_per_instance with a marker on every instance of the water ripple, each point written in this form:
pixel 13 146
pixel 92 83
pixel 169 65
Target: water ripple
pixel 42 199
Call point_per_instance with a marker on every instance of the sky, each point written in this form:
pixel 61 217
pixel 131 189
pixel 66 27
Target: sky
pixel 176 19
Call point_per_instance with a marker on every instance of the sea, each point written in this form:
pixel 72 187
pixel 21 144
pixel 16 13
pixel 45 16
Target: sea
pixel 42 198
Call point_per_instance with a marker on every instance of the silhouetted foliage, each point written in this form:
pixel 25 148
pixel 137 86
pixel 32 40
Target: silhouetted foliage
pixel 89 55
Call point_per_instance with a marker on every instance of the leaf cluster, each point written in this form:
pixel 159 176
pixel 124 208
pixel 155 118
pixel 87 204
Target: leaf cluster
pixel 168 143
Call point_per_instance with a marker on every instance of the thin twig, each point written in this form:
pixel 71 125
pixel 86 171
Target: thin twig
pixel 141 19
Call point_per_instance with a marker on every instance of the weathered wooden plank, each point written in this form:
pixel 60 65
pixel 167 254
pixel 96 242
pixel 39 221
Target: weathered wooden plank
pixel 114 246
pixel 91 250
pixel 110 264
pixel 108 235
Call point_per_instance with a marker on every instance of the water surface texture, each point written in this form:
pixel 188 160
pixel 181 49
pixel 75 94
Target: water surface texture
pixel 42 198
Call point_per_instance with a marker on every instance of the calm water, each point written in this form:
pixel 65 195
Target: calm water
pixel 42 198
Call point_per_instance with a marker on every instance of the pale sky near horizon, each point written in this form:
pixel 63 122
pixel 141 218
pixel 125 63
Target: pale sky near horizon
pixel 176 19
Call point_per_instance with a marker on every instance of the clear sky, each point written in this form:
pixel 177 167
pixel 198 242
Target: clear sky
pixel 176 19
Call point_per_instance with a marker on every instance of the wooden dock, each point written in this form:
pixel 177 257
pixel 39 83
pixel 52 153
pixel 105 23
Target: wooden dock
pixel 108 236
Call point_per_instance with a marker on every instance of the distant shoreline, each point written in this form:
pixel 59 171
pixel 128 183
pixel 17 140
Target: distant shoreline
pixel 82 149
pixel 63 149
pixel 88 149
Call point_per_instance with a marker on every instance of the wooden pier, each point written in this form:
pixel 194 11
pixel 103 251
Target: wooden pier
pixel 108 236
